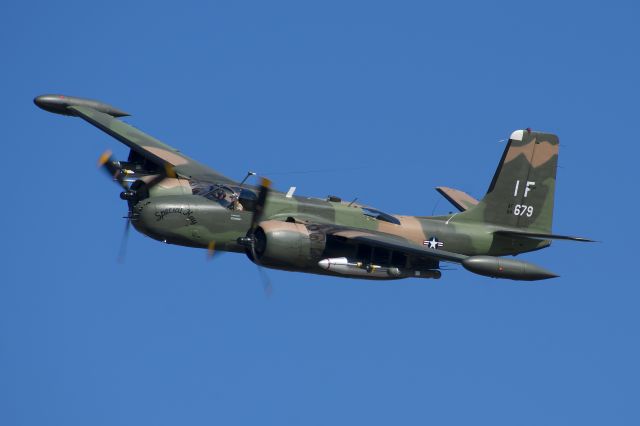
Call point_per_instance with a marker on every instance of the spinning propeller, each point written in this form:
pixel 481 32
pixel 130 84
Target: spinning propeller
pixel 250 239
pixel 131 193
pixel 139 190
pixel 265 184
pixel 112 167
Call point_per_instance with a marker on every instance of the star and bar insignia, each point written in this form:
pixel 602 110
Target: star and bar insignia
pixel 433 243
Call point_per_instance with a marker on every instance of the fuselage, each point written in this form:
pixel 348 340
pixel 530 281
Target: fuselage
pixel 178 200
pixel 195 214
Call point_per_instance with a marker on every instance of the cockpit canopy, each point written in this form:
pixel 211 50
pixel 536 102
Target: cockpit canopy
pixel 230 197
pixel 243 199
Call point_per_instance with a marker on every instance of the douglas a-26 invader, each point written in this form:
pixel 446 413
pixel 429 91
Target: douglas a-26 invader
pixel 177 200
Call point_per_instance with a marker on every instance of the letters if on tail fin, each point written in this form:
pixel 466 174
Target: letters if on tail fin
pixel 521 194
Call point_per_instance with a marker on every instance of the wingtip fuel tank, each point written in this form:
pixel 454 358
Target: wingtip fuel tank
pixel 498 267
pixel 59 104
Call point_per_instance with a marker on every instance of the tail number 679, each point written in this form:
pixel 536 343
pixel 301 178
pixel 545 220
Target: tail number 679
pixel 523 210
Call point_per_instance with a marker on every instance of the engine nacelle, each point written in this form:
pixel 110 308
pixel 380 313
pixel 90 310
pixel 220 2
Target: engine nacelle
pixel 287 244
pixel 169 186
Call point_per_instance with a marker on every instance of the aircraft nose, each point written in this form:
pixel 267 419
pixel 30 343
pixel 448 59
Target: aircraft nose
pixel 142 214
pixel 149 219
pixel 151 214
pixel 162 216
pixel 187 220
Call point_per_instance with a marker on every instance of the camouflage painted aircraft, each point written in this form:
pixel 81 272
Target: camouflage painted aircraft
pixel 177 200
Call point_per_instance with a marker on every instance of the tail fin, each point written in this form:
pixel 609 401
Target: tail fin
pixel 521 194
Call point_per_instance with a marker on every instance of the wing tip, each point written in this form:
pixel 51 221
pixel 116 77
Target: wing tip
pixel 61 104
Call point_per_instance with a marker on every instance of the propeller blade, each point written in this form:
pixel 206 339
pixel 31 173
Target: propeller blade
pixel 123 243
pixel 265 184
pixel 167 172
pixel 211 250
pixel 264 277
pixel 105 157
pixel 107 163
pixel 266 282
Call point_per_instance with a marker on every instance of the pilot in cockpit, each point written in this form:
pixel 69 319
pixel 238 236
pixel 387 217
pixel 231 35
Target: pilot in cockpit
pixel 230 198
pixel 235 203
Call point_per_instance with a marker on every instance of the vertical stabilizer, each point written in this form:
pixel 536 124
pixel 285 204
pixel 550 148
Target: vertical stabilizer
pixel 521 194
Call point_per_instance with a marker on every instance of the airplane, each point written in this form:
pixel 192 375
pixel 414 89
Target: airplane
pixel 177 200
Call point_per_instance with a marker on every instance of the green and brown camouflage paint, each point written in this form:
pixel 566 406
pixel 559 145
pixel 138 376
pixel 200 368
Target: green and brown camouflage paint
pixel 304 230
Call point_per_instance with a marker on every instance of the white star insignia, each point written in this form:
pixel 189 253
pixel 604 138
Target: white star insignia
pixel 433 243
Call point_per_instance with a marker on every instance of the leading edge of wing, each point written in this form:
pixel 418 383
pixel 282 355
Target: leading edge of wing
pixel 140 142
pixel 146 145
pixel 392 242
pixel 104 117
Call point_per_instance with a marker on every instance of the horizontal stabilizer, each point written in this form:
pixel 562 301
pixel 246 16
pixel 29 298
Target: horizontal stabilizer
pixel 542 236
pixel 461 200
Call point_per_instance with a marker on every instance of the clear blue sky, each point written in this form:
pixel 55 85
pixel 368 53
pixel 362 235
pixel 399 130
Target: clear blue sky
pixel 395 98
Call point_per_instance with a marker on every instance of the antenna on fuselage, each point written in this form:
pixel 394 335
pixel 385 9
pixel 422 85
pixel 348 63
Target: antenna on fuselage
pixel 249 174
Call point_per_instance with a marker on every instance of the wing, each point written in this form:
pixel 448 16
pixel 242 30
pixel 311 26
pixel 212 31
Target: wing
pixel 104 117
pixel 395 244
pixel 461 200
